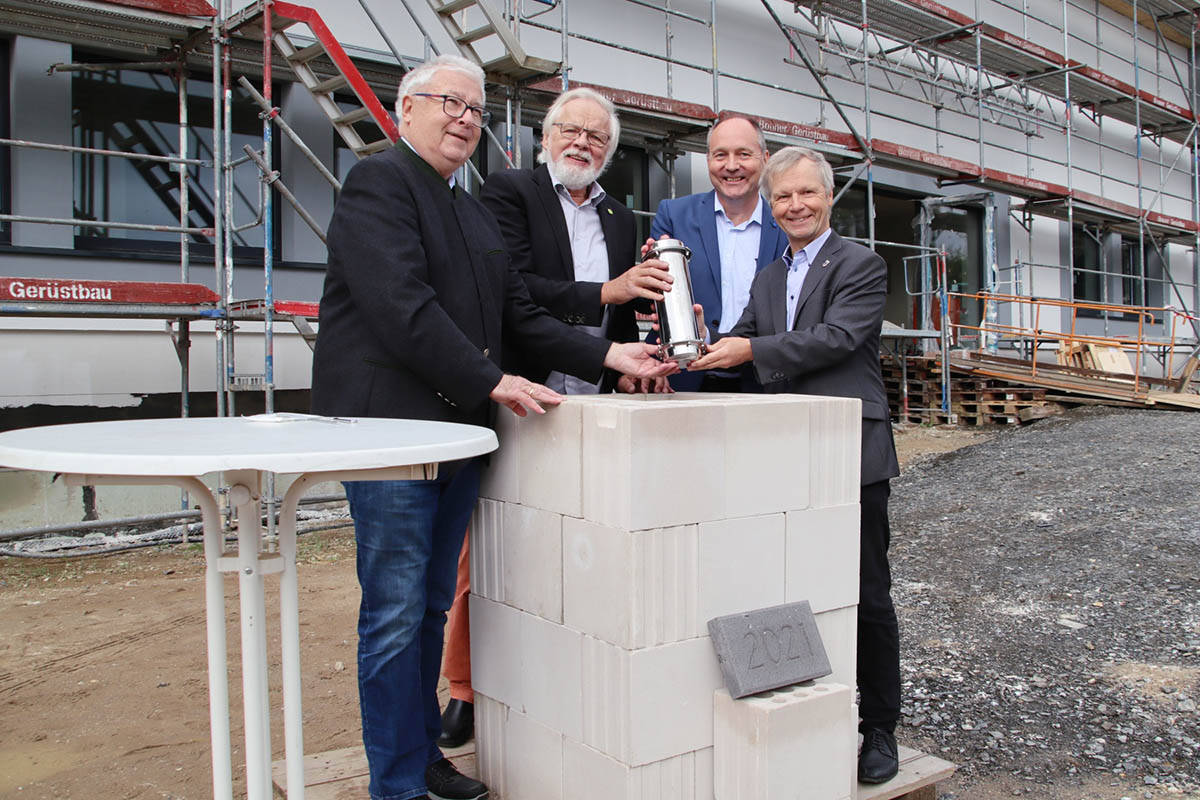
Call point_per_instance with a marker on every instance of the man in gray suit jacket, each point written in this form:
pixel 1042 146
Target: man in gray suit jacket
pixel 812 327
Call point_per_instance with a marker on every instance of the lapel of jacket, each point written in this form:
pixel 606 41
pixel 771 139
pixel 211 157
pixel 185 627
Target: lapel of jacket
pixel 819 270
pixel 612 238
pixel 558 223
pixel 469 224
pixel 706 221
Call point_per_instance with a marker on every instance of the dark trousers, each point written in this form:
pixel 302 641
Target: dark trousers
pixel 878 631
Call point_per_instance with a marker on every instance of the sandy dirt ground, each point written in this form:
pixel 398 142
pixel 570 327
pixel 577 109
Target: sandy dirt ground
pixel 103 685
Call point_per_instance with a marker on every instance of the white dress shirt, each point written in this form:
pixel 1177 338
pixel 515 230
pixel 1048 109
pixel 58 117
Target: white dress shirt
pixel 590 255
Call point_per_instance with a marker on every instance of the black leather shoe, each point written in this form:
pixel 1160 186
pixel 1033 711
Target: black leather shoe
pixel 879 761
pixel 444 782
pixel 458 724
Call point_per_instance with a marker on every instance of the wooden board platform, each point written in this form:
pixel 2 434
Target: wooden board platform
pixel 342 775
pixel 918 776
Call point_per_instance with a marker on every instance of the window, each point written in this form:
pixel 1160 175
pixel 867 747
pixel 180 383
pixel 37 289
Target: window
pixel 1141 287
pixel 138 111
pixel 1087 264
pixel 625 181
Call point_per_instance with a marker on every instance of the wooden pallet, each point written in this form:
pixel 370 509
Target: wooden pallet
pixel 342 775
pixel 917 779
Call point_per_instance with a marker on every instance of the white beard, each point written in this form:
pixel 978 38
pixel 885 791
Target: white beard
pixel 576 176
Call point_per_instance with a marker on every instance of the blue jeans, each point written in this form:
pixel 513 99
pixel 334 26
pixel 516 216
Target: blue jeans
pixel 409 534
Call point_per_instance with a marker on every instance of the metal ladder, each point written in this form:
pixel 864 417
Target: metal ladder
pixel 346 75
pixel 515 64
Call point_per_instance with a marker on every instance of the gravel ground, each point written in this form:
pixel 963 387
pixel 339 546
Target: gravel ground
pixel 1048 585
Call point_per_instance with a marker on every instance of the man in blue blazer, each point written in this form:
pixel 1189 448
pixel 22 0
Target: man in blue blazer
pixel 732 236
pixel 812 327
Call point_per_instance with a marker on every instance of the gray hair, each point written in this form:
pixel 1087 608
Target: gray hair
pixel 789 157
pixel 584 93
pixel 726 116
pixel 417 79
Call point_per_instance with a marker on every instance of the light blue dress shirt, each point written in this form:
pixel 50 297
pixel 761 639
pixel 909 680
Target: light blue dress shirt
pixel 797 270
pixel 738 246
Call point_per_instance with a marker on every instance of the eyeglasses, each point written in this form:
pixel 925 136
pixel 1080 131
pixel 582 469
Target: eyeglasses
pixel 455 107
pixel 571 133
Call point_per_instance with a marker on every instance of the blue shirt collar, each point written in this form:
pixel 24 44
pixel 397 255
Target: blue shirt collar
pixel 755 217
pixel 810 250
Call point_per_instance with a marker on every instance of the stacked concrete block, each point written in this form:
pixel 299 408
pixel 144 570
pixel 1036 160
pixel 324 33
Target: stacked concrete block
pixel 795 743
pixel 609 532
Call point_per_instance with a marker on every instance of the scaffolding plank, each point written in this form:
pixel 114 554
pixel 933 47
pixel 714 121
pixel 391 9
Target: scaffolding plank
pixel 797 130
pixel 186 8
pixel 914 159
pixel 639 101
pixel 69 290
pixel 1021 186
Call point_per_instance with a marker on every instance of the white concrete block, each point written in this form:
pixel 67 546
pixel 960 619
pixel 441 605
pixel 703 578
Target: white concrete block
pixel 496 651
pixel 632 589
pixel 551 459
pixel 651 464
pixel 501 479
pixel 796 743
pixel 835 451
pixel 532 560
pixel 533 767
pixel 646 705
pixel 490 742
pixel 822 557
pixel 741 566
pixel 590 775
pixel 766 468
pixel 487 553
pixel 839 636
pixel 551 671
pixel 705 761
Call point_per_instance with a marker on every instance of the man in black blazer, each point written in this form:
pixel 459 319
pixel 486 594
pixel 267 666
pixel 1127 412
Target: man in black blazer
pixel 419 300
pixel 574 244
pixel 812 327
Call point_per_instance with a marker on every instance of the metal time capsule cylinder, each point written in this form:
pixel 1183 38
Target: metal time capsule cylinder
pixel 680 339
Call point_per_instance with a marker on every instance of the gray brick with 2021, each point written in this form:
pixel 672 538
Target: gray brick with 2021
pixel 768 648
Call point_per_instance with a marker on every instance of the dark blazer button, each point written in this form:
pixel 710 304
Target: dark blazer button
pixel 486 352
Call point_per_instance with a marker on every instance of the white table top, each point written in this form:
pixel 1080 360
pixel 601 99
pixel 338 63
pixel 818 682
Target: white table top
pixel 281 443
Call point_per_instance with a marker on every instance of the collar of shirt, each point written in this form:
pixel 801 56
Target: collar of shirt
pixel 810 251
pixel 595 192
pixel 451 180
pixel 756 217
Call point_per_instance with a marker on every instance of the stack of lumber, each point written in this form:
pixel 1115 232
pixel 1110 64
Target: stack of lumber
pixel 1096 357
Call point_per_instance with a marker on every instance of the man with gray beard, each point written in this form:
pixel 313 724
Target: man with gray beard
pixel 575 246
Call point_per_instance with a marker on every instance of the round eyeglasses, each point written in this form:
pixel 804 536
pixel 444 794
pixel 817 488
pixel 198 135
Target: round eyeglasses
pixel 455 107
pixel 571 132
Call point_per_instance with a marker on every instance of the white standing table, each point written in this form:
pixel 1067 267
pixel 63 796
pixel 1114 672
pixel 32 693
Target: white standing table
pixel 176 452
